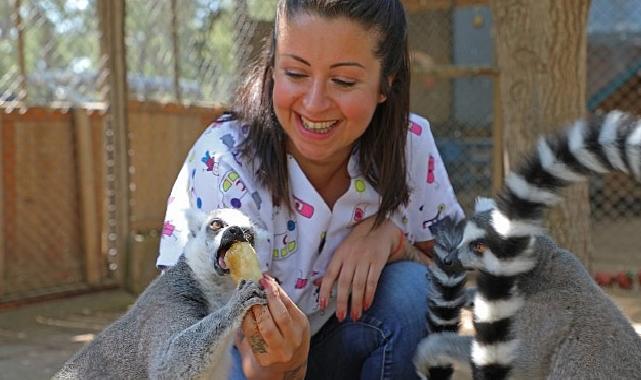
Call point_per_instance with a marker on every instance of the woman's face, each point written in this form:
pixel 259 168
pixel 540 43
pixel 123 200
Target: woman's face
pixel 326 85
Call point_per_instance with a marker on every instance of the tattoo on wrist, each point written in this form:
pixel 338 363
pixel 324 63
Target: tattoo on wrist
pixel 257 344
pixel 297 373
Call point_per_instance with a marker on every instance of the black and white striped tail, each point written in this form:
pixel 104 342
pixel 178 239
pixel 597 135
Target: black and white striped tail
pixel 596 145
pixel 447 292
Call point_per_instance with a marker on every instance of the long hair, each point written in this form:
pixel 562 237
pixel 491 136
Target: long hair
pixel 382 145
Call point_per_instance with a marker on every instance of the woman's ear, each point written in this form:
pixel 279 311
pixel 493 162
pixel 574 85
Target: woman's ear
pixel 382 97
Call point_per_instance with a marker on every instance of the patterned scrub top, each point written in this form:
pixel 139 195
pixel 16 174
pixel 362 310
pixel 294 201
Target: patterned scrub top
pixel 296 247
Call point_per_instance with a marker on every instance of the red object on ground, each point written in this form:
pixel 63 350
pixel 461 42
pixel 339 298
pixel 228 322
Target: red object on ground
pixel 639 276
pixel 624 280
pixel 603 279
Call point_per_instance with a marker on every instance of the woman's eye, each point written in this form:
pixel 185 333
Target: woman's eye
pixel 294 74
pixel 216 224
pixel 344 83
pixel 478 247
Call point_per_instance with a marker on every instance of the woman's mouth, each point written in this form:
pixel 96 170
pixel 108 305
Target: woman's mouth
pixel 319 127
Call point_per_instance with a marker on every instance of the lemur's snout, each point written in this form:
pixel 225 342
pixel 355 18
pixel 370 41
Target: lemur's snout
pixel 234 233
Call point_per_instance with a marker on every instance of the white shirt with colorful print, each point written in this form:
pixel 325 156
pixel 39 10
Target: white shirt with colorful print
pixel 296 247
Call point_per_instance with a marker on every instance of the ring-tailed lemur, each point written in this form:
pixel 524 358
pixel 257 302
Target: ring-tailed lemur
pixel 537 312
pixel 182 326
pixel 447 294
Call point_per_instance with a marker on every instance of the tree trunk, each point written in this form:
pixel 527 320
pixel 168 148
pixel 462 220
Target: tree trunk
pixel 541 55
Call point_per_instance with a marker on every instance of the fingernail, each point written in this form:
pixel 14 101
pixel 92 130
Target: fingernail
pixel 356 316
pixel 340 315
pixel 323 303
pixel 366 305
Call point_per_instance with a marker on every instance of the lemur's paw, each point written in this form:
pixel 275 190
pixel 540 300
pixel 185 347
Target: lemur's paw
pixel 429 353
pixel 249 294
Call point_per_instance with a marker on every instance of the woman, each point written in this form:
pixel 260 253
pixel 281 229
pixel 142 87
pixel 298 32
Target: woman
pixel 322 153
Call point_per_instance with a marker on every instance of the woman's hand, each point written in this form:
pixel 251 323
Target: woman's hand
pixel 276 337
pixel 357 264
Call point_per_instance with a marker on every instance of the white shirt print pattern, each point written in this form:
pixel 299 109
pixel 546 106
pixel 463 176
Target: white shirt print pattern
pixel 296 247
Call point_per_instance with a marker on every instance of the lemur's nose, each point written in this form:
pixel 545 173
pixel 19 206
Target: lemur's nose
pixel 447 261
pixel 235 233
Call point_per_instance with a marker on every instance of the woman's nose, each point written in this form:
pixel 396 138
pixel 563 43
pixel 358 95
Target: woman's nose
pixel 316 99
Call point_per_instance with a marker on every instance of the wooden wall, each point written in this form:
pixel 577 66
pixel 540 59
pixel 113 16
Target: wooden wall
pixel 52 190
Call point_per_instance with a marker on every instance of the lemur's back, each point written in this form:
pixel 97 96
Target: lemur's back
pixel 568 328
pixel 122 350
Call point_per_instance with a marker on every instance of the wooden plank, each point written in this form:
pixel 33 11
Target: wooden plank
pixel 498 151
pixel 2 201
pixel 111 15
pixel 22 95
pixel 191 109
pixel 454 71
pixel 432 5
pixel 175 49
pixel 89 228
pixel 43 241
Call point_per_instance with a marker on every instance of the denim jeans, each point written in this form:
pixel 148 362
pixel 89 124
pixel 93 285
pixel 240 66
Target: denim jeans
pixel 381 344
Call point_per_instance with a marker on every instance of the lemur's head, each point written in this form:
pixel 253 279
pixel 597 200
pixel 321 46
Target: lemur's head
pixel 447 236
pixel 493 243
pixel 213 233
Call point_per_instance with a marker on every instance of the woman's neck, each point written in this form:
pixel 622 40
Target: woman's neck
pixel 330 178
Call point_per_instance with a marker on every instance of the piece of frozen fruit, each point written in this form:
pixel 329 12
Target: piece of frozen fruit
pixel 242 262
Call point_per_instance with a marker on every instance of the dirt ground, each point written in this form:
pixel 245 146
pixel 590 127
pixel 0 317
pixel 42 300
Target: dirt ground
pixel 36 339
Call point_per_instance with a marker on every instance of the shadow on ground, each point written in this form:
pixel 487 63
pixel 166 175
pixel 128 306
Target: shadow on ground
pixel 36 339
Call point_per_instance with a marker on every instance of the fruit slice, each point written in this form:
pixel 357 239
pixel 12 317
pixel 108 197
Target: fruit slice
pixel 242 262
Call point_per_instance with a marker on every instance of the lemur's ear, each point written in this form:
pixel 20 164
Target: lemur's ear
pixel 484 204
pixel 195 219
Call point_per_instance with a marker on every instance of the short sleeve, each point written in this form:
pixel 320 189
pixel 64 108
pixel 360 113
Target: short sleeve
pixel 193 189
pixel 432 196
pixel 214 175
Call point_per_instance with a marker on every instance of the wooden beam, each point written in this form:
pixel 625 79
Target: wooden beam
pixel 112 26
pixel 22 95
pixel 454 71
pixel 433 5
pixel 90 230
pixel 2 216
pixel 176 50
pixel 498 148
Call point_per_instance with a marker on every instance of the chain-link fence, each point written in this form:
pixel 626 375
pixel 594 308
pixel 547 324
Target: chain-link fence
pixel 453 87
pixel 50 52
pixel 614 82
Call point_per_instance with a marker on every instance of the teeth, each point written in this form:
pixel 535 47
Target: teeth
pixel 320 127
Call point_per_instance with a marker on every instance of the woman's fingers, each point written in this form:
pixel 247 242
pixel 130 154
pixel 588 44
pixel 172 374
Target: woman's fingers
pixel 331 273
pixel 358 290
pixel 343 287
pixel 371 284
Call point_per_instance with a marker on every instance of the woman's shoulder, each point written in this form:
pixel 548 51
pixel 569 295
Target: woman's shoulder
pixel 419 131
pixel 223 136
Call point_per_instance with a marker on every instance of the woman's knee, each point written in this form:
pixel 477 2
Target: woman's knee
pixel 402 290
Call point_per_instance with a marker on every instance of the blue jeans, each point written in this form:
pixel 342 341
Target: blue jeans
pixel 381 344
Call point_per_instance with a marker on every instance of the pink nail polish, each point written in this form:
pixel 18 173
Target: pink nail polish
pixel 356 316
pixel 323 303
pixel 366 305
pixel 341 316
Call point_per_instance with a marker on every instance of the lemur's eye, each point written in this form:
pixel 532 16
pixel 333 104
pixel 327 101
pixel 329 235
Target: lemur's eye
pixel 478 247
pixel 216 224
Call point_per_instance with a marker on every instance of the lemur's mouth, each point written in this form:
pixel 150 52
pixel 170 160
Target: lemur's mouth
pixel 220 255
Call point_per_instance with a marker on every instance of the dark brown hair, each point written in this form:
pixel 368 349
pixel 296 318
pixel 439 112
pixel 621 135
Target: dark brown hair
pixel 382 146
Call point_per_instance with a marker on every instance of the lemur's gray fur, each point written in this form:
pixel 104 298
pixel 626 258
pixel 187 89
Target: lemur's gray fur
pixel 182 326
pixel 537 312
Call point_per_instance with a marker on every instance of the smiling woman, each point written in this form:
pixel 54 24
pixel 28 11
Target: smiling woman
pixel 321 151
